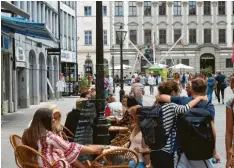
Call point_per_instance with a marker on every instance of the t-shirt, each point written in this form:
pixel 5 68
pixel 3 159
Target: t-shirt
pixel 185 100
pixel 229 104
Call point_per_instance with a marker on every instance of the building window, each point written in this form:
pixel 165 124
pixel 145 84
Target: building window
pixel 133 36
pixel 147 36
pixel 88 11
pixel 177 8
pixel 105 37
pixel 88 38
pixel 162 36
pixel 177 34
pixel 192 36
pixel 147 8
pixel 192 7
pixel 169 62
pixel 222 35
pixel 185 61
pixel 229 63
pixel 104 11
pixel 117 38
pixel 162 8
pixel 132 8
pixel 221 7
pixel 126 62
pixel 206 7
pixel 118 8
pixel 207 35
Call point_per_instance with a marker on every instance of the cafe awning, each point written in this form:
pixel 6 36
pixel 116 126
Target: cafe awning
pixel 10 8
pixel 25 27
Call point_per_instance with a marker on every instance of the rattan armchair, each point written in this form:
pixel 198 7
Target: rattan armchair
pixel 121 139
pixel 115 158
pixel 67 133
pixel 26 156
pixel 15 141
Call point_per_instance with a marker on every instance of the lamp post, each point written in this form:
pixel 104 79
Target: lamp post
pixel 121 35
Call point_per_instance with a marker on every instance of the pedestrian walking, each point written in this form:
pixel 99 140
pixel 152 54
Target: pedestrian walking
pixel 137 90
pixel 221 85
pixel 210 87
pixel 183 81
pixel 151 82
pixel 106 86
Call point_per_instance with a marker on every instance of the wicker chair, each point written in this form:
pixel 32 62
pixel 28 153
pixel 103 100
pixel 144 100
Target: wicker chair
pixel 115 158
pixel 24 155
pixel 67 133
pixel 15 141
pixel 121 139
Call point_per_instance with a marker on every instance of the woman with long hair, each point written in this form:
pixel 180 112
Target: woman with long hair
pixel 170 112
pixel 229 128
pixel 40 136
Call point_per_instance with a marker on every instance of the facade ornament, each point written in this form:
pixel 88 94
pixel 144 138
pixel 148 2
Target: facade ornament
pixel 169 3
pixel 140 4
pixel 199 3
pixel 155 4
pixel 214 4
pixel 185 3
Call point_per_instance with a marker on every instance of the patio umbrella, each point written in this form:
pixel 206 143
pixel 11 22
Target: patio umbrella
pixel 181 66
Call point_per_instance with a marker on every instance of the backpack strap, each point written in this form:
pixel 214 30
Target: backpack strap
pixel 205 164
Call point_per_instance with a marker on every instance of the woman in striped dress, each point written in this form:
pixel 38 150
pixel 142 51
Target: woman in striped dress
pixel 164 158
pixel 53 147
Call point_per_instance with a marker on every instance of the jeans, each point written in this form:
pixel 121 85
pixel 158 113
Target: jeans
pixel 161 159
pixel 210 93
pixel 105 94
pixel 151 89
pixel 220 89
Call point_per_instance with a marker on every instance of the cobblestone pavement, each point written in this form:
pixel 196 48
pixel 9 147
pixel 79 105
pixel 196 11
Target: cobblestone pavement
pixel 15 123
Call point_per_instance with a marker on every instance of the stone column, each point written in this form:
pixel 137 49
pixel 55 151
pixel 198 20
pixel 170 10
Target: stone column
pixel 199 29
pixel 15 91
pixel 62 29
pixel 44 79
pixel 10 99
pixel 140 32
pixel 36 96
pixel 67 30
pixel 51 21
pixel 54 23
pixel 185 21
pixel 155 23
pixel 71 27
pixel 51 75
pixel 169 21
pixel 39 12
pixel 35 11
pixel 214 30
pixel 24 88
pixel 47 17
pixel 43 13
pixel 24 5
pixel 30 9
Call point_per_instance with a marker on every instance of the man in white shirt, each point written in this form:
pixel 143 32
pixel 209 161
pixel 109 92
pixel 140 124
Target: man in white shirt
pixel 151 82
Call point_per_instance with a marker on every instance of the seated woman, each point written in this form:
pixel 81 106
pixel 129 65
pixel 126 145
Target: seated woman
pixel 113 108
pixel 136 139
pixel 40 136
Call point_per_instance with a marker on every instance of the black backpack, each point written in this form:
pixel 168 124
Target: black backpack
pixel 151 125
pixel 195 135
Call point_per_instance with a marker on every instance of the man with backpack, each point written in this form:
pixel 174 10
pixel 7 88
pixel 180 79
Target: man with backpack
pixel 197 153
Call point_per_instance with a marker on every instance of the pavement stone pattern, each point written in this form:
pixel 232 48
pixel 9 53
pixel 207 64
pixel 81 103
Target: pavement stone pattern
pixel 15 123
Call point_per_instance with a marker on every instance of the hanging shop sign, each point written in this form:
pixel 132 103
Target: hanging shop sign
pixel 19 54
pixel 67 56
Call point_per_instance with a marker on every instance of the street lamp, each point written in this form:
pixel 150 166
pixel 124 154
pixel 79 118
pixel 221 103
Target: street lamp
pixel 88 65
pixel 121 36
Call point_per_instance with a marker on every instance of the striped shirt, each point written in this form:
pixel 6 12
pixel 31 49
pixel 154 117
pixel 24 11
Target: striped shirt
pixel 170 112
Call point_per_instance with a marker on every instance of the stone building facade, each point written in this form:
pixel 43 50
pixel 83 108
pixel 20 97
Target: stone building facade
pixel 207 28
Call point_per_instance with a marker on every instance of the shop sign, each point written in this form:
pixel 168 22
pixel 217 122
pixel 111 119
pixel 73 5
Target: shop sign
pixel 20 64
pixel 19 54
pixel 67 56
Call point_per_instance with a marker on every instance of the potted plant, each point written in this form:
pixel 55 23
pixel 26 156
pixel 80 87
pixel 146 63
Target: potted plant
pixel 84 84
